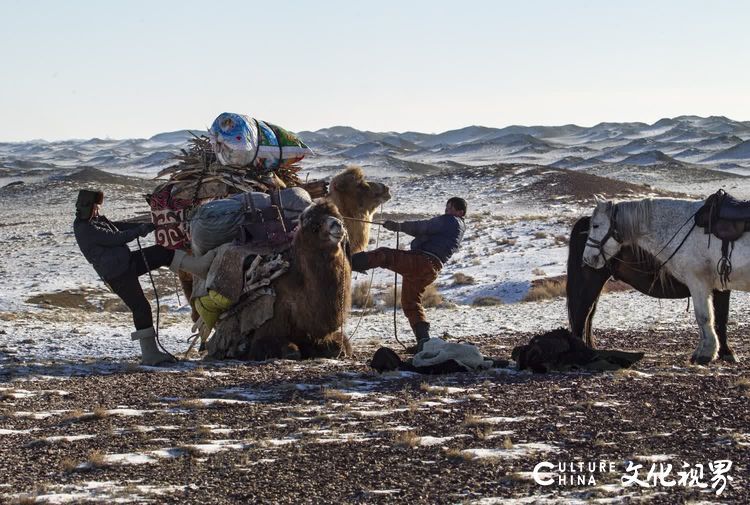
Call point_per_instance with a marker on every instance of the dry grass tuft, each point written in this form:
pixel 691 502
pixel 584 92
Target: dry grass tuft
pixel 335 394
pixel 388 297
pixel 190 451
pixel 205 431
pixel 362 296
pixel 431 297
pixel 483 432
pixel 407 439
pixel 538 271
pixel 96 459
pixel 8 395
pixel 433 390
pixel 486 301
pixel 540 234
pixel 413 407
pixel 193 403
pixel 24 499
pixel 68 465
pixel 743 385
pixel 545 289
pixel 461 279
pixel 100 413
pixel 507 443
pixel 472 420
pixel 455 453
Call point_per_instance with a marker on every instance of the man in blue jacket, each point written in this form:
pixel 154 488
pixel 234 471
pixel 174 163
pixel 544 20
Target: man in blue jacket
pixel 103 244
pixel 435 241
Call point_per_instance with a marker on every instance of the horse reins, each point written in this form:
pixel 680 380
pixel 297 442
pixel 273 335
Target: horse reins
pixel 614 234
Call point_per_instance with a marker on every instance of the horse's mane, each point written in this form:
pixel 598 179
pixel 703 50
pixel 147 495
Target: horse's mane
pixel 633 218
pixel 633 221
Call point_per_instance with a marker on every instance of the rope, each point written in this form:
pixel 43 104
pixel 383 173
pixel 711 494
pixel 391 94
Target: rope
pixel 395 299
pixel 365 221
pixel 372 277
pixel 156 295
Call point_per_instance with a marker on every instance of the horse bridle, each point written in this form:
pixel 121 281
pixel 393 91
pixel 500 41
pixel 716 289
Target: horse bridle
pixel 612 233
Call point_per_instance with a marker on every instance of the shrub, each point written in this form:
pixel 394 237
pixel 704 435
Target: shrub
pixel 561 239
pixel 407 439
pixel 460 279
pixel 545 289
pixel 486 301
pixel 431 297
pixel 388 297
pixel 362 295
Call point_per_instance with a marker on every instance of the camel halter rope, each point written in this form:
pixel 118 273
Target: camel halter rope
pixel 372 275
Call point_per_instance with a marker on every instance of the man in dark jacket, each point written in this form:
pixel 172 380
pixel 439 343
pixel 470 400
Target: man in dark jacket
pixel 435 241
pixel 103 244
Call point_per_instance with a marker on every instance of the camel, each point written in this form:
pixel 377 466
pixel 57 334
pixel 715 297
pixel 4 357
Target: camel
pixel 357 199
pixel 311 301
pixel 354 196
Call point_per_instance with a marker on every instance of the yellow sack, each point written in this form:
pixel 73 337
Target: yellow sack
pixel 211 306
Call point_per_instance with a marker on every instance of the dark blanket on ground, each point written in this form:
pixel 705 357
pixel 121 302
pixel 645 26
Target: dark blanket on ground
pixel 559 350
pixel 385 359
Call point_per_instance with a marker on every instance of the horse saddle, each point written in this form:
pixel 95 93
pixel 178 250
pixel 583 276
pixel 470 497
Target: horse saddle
pixel 724 216
pixel 265 226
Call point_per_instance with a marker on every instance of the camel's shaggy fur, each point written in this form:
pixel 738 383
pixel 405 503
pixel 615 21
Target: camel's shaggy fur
pixel 354 197
pixel 312 298
pixel 358 199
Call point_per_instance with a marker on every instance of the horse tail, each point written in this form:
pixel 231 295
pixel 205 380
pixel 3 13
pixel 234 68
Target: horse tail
pixel 583 284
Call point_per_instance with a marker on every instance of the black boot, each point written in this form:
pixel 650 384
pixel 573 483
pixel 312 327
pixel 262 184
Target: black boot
pixel 359 262
pixel 422 334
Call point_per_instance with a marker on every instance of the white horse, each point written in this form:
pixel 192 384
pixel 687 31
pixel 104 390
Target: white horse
pixel 664 228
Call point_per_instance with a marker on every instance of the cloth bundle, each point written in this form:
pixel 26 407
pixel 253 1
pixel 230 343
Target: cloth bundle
pixel 241 141
pixel 216 223
pixel 169 215
pixel 437 357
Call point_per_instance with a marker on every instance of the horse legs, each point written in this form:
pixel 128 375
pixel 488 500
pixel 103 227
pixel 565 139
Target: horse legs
pixel 721 316
pixel 583 287
pixel 704 315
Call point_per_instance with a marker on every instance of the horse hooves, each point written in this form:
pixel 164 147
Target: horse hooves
pixel 729 357
pixel 700 360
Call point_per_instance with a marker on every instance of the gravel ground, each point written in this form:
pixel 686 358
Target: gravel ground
pixel 335 432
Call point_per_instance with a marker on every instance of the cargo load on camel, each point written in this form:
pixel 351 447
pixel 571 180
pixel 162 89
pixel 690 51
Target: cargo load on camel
pixel 280 283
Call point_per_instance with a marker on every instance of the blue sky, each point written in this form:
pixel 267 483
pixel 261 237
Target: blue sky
pixel 81 69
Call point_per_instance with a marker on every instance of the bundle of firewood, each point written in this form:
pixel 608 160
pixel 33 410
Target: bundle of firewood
pixel 198 176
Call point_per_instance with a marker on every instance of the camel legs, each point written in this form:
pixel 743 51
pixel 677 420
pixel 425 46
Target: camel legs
pixel 186 281
pixel 270 347
pixel 333 346
pixel 704 315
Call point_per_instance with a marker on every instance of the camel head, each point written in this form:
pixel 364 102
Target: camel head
pixel 353 194
pixel 357 200
pixel 321 223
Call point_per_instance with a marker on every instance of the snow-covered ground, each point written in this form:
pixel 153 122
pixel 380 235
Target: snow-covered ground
pixel 509 242
pixel 82 422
